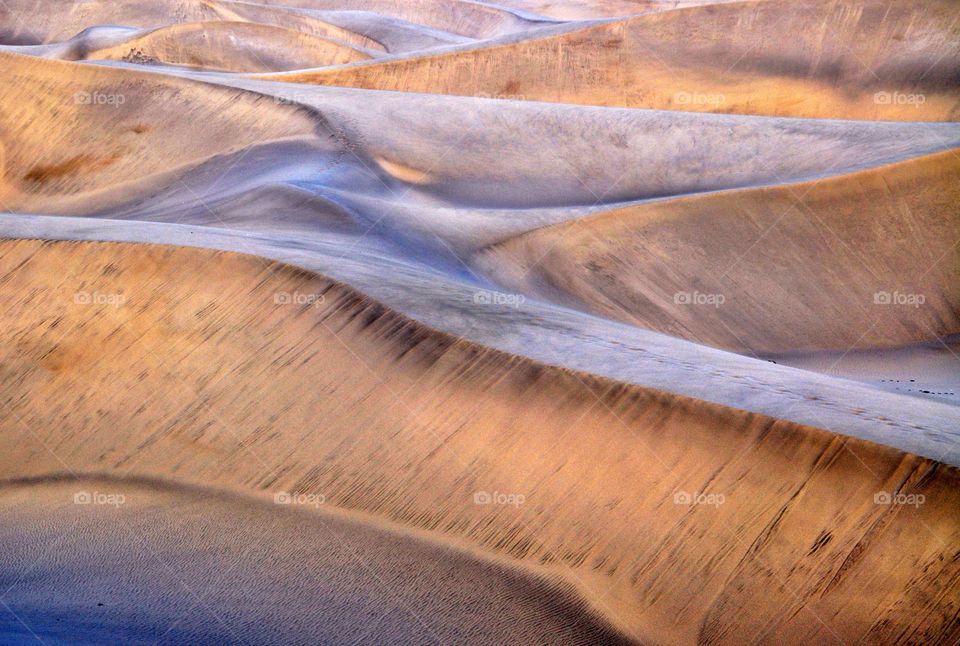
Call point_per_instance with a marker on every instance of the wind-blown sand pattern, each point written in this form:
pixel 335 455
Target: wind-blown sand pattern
pixel 461 322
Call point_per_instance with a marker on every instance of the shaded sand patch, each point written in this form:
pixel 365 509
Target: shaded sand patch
pixel 148 562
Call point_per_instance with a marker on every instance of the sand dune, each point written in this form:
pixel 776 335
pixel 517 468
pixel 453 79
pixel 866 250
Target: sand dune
pixel 480 322
pixel 867 59
pixel 231 46
pixel 385 25
pixel 185 540
pixel 372 135
pixel 115 132
pixel 471 19
pixel 379 405
pixel 926 369
pixel 727 269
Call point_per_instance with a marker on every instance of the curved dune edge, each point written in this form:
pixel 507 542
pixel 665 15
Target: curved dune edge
pixel 58 24
pixel 30 25
pixel 231 47
pixel 870 59
pixel 666 265
pixel 108 120
pixel 98 138
pixel 227 371
pixel 480 598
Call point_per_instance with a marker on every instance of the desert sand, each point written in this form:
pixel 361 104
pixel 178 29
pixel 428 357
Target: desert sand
pixel 863 59
pixel 630 264
pixel 339 397
pixel 462 322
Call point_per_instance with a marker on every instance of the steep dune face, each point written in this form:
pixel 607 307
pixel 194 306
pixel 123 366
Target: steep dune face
pixel 861 59
pixel 224 370
pixel 231 47
pixel 69 131
pixel 863 260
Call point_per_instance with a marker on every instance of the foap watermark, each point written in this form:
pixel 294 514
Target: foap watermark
pixel 291 97
pixel 899 498
pixel 99 298
pixel 698 298
pixel 502 96
pixel 498 498
pixel 698 498
pixel 298 298
pixel 899 298
pixel 99 498
pixel 699 98
pixel 308 499
pixel 899 98
pixel 99 98
pixel 486 297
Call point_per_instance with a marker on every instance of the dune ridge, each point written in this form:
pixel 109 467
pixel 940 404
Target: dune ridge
pixel 214 45
pixel 644 264
pixel 874 60
pixel 468 420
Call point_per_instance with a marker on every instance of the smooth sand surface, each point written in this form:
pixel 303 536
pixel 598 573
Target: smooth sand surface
pixel 165 564
pixel 927 370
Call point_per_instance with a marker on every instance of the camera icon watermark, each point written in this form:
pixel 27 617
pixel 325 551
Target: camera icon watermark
pixel 99 498
pixel 498 498
pixel 99 98
pixel 899 98
pixel 699 98
pixel 698 298
pixel 292 97
pixel 899 298
pixel 98 298
pixel 306 499
pixel 502 96
pixel 904 499
pixel 697 498
pixel 499 299
pixel 298 298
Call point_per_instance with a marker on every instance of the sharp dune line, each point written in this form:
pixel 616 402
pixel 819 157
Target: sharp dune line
pixel 746 57
pixel 226 384
pixel 771 255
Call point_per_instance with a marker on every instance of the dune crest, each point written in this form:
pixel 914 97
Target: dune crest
pixel 726 269
pixel 869 59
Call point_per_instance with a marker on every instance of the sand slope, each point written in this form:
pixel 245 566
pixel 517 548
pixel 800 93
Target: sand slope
pixel 863 260
pixel 231 46
pixel 215 381
pixel 172 565
pixel 400 147
pixel 68 133
pixel 813 58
